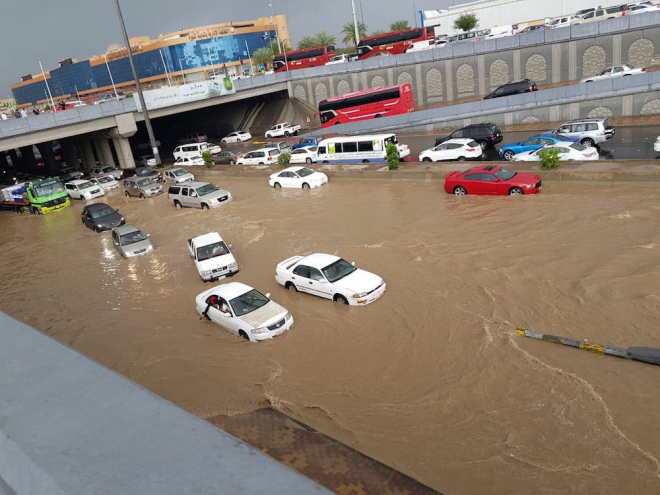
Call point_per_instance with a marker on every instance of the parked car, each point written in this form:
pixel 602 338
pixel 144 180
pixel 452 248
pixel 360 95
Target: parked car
pixel 107 183
pixel 193 137
pixel 330 277
pixel 460 149
pixel 198 195
pixel 146 161
pixel 307 141
pixel 513 88
pixel 244 311
pixel 70 173
pixel 283 146
pixel 583 12
pixel 339 59
pixel 236 137
pixel 486 134
pixel 227 157
pixel 615 71
pixel 76 103
pixel 195 150
pixel 189 162
pixel 298 178
pixel 538 27
pixel 642 8
pixel 143 173
pixel 177 175
pixel 142 187
pixel 563 21
pixel 110 97
pixel 656 144
pixel 283 129
pixel 567 152
pixel 102 171
pixel 259 157
pixel 501 31
pixel 532 143
pixel 130 241
pixel 588 132
pixel 304 155
pixel 83 189
pixel 601 14
pixel 100 217
pixel 491 180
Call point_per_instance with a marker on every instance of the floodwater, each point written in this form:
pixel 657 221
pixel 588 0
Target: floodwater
pixel 431 379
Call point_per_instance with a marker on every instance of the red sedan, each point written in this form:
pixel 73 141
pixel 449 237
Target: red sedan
pixel 492 179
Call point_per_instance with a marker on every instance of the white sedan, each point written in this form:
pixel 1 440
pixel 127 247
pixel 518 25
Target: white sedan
pixel 236 137
pixel 189 161
pixel 106 183
pixel 567 152
pixel 331 277
pixel 304 155
pixel 177 175
pixel 642 8
pixel 452 149
pixel 615 71
pixel 298 177
pixel 244 311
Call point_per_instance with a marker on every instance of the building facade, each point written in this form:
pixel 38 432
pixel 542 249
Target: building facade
pixel 188 53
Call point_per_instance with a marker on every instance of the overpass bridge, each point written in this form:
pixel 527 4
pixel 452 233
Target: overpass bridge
pixel 439 76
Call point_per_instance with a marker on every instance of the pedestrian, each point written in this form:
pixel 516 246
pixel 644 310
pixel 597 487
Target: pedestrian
pixel 4 116
pixel 36 111
pixel 23 112
pixel 62 105
pixel 17 114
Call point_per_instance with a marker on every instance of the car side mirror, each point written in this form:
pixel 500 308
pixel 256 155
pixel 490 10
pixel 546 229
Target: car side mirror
pixel 116 243
pixel 229 246
pixel 268 295
pixel 148 235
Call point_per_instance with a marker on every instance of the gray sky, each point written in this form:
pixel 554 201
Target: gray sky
pixel 54 30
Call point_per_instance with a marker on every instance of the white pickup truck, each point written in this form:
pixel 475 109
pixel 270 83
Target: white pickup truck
pixel 283 129
pixel 212 257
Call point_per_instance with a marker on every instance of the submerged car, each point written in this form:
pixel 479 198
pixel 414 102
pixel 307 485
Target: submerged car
pixel 100 217
pixel 491 180
pixel 330 277
pixel 142 188
pixel 177 175
pixel 130 241
pixel 308 154
pixel 531 144
pixel 106 182
pixel 83 189
pixel 298 177
pixel 567 152
pixel 244 311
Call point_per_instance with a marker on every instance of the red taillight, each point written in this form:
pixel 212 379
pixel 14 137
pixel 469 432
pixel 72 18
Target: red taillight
pixel 470 149
pixel 643 69
pixel 493 136
pixel 270 158
pixel 531 89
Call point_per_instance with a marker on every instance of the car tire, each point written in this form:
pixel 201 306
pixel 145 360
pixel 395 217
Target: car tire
pixel 222 141
pixel 587 142
pixel 308 160
pixel 291 286
pixel 269 136
pixel 378 116
pixel 460 191
pixel 426 159
pixel 461 158
pixel 483 145
pixel 508 155
pixel 337 123
pixel 243 334
pixel 261 163
pixel 232 162
pixel 287 133
pixel 177 204
pixel 365 161
pixel 516 191
pixel 205 206
pixel 141 196
pixel 340 299
pixel 326 161
pixel 277 185
pixel 305 185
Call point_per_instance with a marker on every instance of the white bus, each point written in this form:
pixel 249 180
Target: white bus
pixel 359 149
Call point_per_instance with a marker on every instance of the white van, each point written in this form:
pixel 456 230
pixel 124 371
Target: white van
pixel 190 150
pixel 501 31
pixel 359 149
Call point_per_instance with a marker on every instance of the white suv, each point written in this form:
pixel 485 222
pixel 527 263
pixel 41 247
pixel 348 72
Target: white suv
pixel 589 132
pixel 263 156
pixel 83 189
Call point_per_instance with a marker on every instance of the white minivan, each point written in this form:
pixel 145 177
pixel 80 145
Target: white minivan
pixel 190 150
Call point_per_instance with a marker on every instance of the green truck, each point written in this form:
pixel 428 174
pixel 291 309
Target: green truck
pixel 38 197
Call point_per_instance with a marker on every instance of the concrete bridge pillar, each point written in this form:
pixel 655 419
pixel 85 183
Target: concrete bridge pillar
pixel 48 156
pixel 84 146
pixel 103 151
pixel 124 153
pixel 15 160
pixel 4 163
pixel 69 153
pixel 29 160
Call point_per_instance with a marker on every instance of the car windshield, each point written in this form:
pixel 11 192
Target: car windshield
pixel 105 170
pixel 132 238
pixel 105 180
pixel 505 174
pixel 206 189
pixel 144 182
pixel 102 212
pixel 143 171
pixel 313 149
pixel 304 172
pixel 178 172
pixel 47 189
pixel 248 302
pixel 578 147
pixel 338 270
pixel 212 250
pixel 85 185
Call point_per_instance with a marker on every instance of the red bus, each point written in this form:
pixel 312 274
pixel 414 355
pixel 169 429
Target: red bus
pixel 394 42
pixel 301 59
pixel 367 104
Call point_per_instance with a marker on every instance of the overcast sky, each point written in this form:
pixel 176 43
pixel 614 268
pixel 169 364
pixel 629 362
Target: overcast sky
pixel 54 30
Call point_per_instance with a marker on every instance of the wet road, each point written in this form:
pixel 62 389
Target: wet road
pixel 431 379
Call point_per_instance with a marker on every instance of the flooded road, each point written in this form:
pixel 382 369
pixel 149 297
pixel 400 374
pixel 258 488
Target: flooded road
pixel 431 379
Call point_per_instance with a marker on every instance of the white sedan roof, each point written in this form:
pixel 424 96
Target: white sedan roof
pixel 227 291
pixel 318 260
pixel 293 169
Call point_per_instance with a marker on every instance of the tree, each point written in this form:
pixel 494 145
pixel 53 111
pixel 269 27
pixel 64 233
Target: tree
pixel 348 30
pixel 307 42
pixel 392 156
pixel 466 22
pixel 275 46
pixel 323 38
pixel 399 25
pixel 263 56
pixel 377 32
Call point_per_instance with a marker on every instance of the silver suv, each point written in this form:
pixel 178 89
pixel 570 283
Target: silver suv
pixel 142 187
pixel 589 132
pixel 202 195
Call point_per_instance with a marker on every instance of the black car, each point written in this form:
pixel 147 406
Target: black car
pixel 142 173
pixel 513 88
pixel 100 217
pixel 486 134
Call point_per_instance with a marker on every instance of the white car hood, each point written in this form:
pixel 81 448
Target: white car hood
pixel 217 262
pixel 317 176
pixel 265 315
pixel 359 281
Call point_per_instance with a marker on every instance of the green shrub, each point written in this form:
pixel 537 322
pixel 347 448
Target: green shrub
pixel 208 159
pixel 129 95
pixel 392 156
pixel 283 159
pixel 549 158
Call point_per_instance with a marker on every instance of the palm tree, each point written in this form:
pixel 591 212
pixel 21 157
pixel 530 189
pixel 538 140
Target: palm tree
pixel 262 56
pixel 348 30
pixel 377 32
pixel 307 42
pixel 323 38
pixel 399 25
pixel 275 47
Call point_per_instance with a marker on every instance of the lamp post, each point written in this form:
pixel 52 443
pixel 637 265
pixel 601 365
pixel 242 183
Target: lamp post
pixel 169 83
pixel 181 68
pixel 277 33
pixel 355 25
pixel 145 113
pixel 110 74
pixel 249 58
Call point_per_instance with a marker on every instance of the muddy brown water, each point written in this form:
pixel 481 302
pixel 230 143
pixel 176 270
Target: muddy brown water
pixel 432 378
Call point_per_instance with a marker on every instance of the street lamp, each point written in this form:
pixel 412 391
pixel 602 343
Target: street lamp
pixel 277 34
pixel 145 113
pixel 111 80
pixel 181 67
